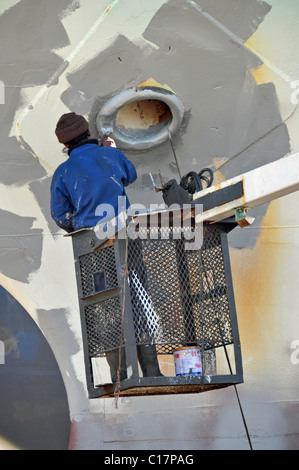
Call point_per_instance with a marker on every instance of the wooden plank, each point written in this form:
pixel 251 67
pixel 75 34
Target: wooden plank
pixel 260 186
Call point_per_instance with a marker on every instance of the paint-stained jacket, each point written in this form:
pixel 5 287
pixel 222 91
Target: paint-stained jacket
pixel 91 176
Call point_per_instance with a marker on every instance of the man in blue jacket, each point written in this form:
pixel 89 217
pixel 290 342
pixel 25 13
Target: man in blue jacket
pixel 93 175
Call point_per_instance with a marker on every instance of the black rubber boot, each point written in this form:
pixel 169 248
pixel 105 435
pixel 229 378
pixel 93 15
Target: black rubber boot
pixel 113 361
pixel 147 356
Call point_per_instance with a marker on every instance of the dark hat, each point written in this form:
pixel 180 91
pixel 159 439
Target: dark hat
pixel 70 126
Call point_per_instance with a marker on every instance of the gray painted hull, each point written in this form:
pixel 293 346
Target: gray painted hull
pixel 232 63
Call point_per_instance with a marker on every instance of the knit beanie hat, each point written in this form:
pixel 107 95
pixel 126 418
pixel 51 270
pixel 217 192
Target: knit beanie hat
pixel 70 126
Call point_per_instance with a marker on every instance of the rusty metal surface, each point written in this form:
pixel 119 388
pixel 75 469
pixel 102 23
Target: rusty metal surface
pixel 152 390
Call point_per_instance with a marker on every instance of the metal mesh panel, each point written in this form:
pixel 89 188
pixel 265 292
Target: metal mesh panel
pixel 102 319
pixel 179 296
pixel 98 265
pixel 103 325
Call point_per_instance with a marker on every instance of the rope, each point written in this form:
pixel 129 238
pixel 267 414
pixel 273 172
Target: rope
pixel 124 272
pixel 174 154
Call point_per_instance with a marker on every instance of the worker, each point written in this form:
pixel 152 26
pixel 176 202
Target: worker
pixel 93 175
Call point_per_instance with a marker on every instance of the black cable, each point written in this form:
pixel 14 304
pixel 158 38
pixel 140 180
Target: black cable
pixel 192 181
pixel 210 180
pixel 174 154
pixel 226 354
pixel 191 189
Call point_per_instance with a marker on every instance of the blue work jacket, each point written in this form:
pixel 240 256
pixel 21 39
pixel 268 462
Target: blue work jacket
pixel 91 176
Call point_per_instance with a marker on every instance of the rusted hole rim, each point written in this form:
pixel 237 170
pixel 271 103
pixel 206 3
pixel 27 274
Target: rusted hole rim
pixel 136 138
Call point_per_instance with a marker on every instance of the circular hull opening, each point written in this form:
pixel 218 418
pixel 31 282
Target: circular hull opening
pixel 141 118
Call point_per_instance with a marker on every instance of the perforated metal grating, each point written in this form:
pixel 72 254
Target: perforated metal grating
pixel 182 294
pixel 179 297
pixel 103 324
pixel 93 264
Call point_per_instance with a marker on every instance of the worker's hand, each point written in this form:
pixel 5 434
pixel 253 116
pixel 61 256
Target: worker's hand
pixel 108 142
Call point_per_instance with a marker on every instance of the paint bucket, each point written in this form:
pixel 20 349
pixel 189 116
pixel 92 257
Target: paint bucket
pixel 187 361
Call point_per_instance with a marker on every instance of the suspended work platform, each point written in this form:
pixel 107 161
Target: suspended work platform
pixel 151 290
pixel 150 287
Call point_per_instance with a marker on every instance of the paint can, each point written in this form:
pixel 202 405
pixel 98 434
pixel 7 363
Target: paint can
pixel 187 361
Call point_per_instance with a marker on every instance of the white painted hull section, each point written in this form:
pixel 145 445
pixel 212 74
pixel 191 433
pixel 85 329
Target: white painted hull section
pixel 241 114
